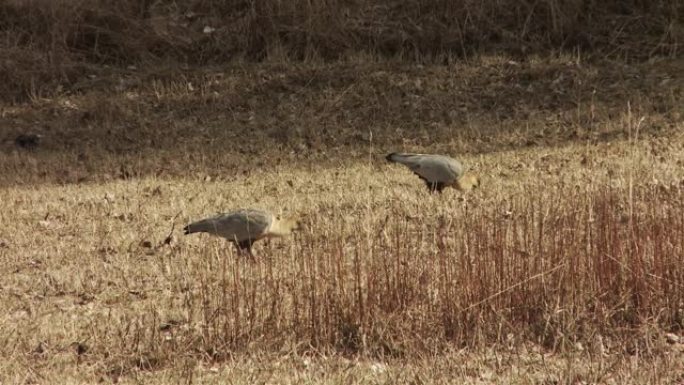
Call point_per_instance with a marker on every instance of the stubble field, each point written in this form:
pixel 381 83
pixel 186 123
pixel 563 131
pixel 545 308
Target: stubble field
pixel 564 267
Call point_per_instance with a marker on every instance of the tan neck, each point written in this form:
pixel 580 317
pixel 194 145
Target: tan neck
pixel 465 182
pixel 281 228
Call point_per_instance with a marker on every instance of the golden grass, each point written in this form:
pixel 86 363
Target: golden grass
pixel 499 364
pixel 576 235
pixel 560 246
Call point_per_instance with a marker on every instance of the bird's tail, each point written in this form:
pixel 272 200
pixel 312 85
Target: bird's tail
pixel 191 228
pixel 203 226
pixel 398 157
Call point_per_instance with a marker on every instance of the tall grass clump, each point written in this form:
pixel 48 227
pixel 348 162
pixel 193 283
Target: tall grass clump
pixel 556 271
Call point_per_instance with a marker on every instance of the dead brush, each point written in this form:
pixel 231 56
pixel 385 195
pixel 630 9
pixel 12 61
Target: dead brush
pixel 554 271
pixel 59 43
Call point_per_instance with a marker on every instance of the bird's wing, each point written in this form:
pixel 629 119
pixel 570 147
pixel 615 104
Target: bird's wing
pixel 412 161
pixel 455 167
pixel 436 168
pixel 431 168
pixel 236 226
pixel 247 224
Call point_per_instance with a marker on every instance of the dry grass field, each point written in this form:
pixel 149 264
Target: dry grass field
pixel 565 267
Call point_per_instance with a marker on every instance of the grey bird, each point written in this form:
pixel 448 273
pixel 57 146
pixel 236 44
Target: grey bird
pixel 243 227
pixel 437 171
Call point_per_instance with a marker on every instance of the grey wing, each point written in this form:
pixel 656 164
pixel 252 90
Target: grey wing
pixel 253 224
pixel 438 168
pixel 235 226
pixel 455 167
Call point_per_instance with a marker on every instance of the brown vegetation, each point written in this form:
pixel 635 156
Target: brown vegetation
pixel 46 44
pixel 232 121
pixel 594 254
pixel 119 125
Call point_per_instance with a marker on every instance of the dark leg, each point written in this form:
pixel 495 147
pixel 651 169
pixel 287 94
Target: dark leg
pixel 435 186
pixel 246 248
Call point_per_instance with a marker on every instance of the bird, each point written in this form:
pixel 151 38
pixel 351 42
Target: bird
pixel 437 171
pixel 243 227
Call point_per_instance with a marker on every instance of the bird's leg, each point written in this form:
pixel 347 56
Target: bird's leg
pixel 430 185
pixel 245 247
pixel 435 187
pixel 251 255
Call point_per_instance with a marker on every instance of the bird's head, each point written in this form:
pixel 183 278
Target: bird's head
pixel 289 224
pixel 468 182
pixel 296 224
